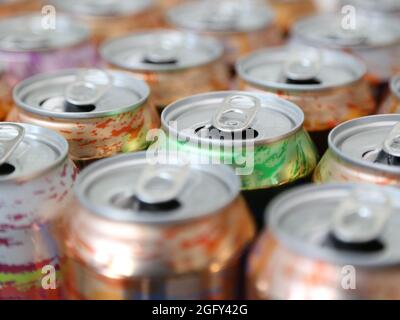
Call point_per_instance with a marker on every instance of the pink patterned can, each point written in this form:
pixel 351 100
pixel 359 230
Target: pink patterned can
pixel 29 46
pixel 36 179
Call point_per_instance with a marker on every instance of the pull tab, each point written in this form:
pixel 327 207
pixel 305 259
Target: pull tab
pixel 160 185
pixel 164 52
pixel 362 217
pixel 390 153
pixel 350 37
pixel 234 116
pixel 303 64
pixel 88 87
pixel 11 135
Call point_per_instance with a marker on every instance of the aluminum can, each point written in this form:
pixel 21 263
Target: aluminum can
pixel 141 231
pixel 329 86
pixel 36 180
pixel 14 7
pixel 242 25
pixel 289 11
pixel 26 48
pixel 99 112
pixel 363 150
pixel 260 135
pixel 392 102
pixel 384 6
pixel 168 4
pixel 166 59
pixel 331 242
pixel 4 93
pixel 375 39
pixel 111 18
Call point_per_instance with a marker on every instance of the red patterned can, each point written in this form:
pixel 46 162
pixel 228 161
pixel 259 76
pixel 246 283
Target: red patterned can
pixel 36 180
pixel 140 231
pixel 99 112
pixel 27 48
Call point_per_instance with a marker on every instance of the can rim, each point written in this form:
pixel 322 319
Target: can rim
pixel 106 211
pixel 360 163
pixel 50 167
pixel 18 89
pixel 395 86
pixel 275 211
pixel 106 55
pixel 195 139
pixel 240 69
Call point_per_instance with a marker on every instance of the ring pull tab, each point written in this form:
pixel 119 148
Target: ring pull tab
pixel 362 217
pixel 390 153
pixel 350 36
pixel 160 185
pixel 303 64
pixel 11 135
pixel 163 52
pixel 88 88
pixel 235 114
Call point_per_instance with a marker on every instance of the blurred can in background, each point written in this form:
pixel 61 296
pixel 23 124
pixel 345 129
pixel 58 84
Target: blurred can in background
pixel 333 242
pixel 99 112
pixel 329 86
pixel 15 7
pixel 28 48
pixel 392 102
pixel 375 38
pixel 168 4
pixel 363 150
pixel 260 135
pixel 36 180
pixel 384 6
pixel 175 64
pixel 242 25
pixel 111 18
pixel 4 93
pixel 140 231
pixel 289 11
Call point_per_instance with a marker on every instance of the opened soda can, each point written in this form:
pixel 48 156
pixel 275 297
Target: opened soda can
pixel 111 18
pixel 375 38
pixel 15 7
pixel 329 86
pixel 288 12
pixel 142 231
pixel 384 6
pixel 28 46
pixel 241 25
pixel 175 64
pixel 331 242
pixel 100 112
pixel 36 180
pixel 260 135
pixel 363 150
pixel 392 102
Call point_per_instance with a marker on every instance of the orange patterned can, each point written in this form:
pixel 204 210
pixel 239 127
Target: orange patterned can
pixel 100 112
pixel 14 7
pixel 392 101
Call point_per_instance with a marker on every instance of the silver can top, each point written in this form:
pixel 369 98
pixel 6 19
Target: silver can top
pixel 27 151
pixel 369 30
pixel 361 141
pixel 129 188
pixel 339 223
pixel 387 6
pixel 32 33
pixel 300 68
pixel 395 86
pixel 161 50
pixel 222 117
pixel 102 7
pixel 81 93
pixel 221 15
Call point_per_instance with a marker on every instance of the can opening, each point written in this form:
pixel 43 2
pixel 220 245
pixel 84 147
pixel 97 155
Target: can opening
pixel 59 104
pixel 303 81
pixel 211 132
pixel 6 169
pixel 133 202
pixel 364 247
pixel 153 61
pixel 386 158
pixel 70 107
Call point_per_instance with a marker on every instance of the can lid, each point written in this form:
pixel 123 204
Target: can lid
pixel 361 140
pixel 220 118
pixel 102 7
pixel 395 86
pixel 300 68
pixel 129 188
pixel 388 6
pixel 29 33
pixel 222 15
pixel 161 50
pixel 339 223
pixel 369 30
pixel 27 150
pixel 81 93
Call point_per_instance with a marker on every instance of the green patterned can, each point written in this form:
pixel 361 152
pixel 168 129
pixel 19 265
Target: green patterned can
pixel 260 135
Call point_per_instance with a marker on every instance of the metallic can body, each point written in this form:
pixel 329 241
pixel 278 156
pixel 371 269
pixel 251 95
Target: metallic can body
pixel 279 268
pixel 5 103
pixel 92 136
pixel 391 103
pixel 29 206
pixel 190 253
